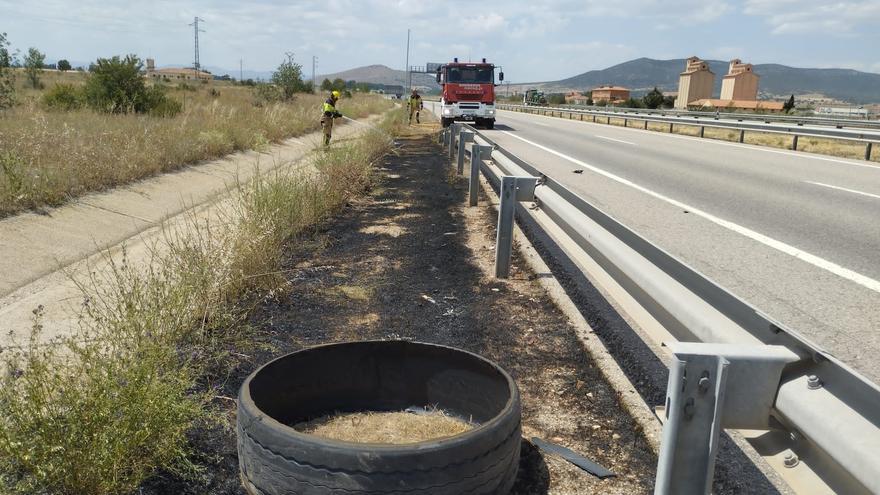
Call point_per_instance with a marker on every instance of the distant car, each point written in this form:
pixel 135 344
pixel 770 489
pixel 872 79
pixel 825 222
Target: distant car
pixel 397 96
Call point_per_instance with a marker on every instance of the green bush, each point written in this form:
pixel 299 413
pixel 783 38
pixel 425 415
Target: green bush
pixel 64 97
pixel 116 86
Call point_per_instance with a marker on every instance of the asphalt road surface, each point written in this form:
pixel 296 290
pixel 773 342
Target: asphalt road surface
pixel 795 234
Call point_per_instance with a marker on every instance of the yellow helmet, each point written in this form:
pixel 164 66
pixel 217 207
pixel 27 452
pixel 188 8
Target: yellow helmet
pixel 335 94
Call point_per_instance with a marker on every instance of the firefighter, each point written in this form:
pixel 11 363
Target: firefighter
pixel 330 113
pixel 415 106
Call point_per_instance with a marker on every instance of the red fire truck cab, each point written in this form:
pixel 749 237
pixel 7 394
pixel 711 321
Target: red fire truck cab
pixel 468 93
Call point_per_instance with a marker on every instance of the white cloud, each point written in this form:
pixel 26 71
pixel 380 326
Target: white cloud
pixel 819 17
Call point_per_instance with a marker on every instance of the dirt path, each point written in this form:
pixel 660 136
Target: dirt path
pixel 39 253
pixel 410 261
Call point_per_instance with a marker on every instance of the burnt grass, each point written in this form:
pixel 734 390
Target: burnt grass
pixel 410 261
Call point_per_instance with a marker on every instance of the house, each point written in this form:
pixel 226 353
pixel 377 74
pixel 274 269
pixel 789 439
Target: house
pixel 695 83
pixel 740 83
pixel 610 94
pixel 576 98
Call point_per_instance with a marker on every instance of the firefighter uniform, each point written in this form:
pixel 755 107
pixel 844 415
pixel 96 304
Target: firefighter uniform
pixel 415 106
pixel 329 114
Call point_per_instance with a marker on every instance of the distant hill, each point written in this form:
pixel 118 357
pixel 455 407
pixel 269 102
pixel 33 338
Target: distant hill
pixel 642 74
pixel 380 74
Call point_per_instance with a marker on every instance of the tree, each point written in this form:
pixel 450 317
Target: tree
pixel 288 79
pixel 64 65
pixel 668 101
pixel 590 101
pixel 326 85
pixel 7 86
pixel 116 86
pixel 654 98
pixel 338 84
pixel 556 99
pixel 632 103
pixel 788 105
pixel 33 66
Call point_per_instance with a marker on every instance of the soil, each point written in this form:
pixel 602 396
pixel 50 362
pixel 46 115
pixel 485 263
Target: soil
pixel 395 427
pixel 411 261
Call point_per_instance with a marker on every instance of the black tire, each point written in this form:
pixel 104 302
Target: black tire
pixel 490 124
pixel 378 375
pixel 445 122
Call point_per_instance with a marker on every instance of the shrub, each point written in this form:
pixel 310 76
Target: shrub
pixel 288 79
pixel 64 65
pixel 7 81
pixel 33 66
pixel 116 86
pixel 64 97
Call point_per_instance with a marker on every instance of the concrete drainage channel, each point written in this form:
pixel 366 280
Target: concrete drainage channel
pixel 812 418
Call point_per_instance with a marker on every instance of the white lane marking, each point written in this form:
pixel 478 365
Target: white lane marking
pixel 812 259
pixel 616 140
pixel 712 141
pixel 843 189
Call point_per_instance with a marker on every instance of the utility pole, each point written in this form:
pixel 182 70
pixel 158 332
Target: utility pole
pixel 314 81
pixel 240 71
pixel 408 79
pixel 196 31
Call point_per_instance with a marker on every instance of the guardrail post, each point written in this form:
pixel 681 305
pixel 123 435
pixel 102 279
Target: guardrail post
pixel 670 127
pixel 609 120
pixel 624 122
pixel 464 137
pixel 582 117
pixel 702 130
pixel 451 142
pixel 477 154
pixel 646 125
pixel 594 119
pixel 868 151
pixel 794 141
pixel 713 386
pixel 742 135
pixel 513 189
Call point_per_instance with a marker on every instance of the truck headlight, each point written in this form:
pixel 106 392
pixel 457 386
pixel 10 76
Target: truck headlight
pixel 447 111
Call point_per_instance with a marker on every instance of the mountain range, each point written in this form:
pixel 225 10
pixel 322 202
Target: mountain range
pixel 642 74
pixel 777 80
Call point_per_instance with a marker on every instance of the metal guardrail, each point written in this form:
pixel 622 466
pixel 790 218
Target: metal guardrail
pixel 741 369
pixel 866 136
pixel 767 118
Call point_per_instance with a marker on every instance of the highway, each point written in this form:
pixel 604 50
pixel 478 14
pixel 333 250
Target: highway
pixel 797 235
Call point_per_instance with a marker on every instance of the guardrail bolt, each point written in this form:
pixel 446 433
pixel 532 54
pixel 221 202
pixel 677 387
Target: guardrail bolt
pixel 790 460
pixel 813 382
pixel 703 384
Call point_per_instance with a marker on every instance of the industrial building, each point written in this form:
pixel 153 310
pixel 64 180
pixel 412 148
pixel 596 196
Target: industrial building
pixel 694 83
pixel 740 82
pixel 175 73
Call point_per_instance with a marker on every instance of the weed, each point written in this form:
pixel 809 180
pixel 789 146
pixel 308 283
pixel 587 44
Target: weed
pixel 100 411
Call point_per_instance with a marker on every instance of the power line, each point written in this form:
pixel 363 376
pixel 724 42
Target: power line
pixel 196 31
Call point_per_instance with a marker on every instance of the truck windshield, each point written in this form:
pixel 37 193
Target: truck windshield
pixel 469 75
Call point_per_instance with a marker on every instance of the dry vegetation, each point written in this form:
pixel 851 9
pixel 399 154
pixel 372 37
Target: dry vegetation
pixel 386 427
pixel 833 147
pixel 100 411
pixel 48 156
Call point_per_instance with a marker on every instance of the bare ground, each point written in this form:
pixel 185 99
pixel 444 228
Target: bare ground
pixel 409 261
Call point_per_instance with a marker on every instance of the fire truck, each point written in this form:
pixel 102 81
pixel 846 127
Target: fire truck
pixel 468 92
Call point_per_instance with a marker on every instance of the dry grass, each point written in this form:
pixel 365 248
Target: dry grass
pixel 386 427
pixel 100 411
pixel 47 157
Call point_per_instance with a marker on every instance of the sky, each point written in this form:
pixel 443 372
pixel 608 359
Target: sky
pixel 539 40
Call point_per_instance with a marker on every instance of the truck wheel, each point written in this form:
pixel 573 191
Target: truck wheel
pixel 490 124
pixel 445 122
